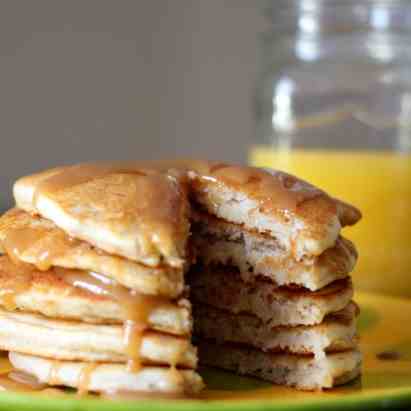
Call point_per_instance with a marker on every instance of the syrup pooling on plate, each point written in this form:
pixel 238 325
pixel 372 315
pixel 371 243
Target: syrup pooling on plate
pixel 141 395
pixel 137 307
pixel 16 380
pixel 9 384
pixel 28 380
pixel 12 379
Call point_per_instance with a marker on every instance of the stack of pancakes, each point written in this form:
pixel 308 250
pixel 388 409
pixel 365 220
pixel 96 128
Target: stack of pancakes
pixel 92 285
pixel 271 292
pixel 96 258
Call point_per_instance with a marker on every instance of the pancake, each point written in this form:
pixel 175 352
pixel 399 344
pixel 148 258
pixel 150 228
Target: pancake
pixel 336 333
pixel 219 242
pixel 49 293
pixel 302 372
pixel 138 214
pixel 102 204
pixel 71 340
pixel 107 377
pixel 304 219
pixel 223 288
pixel 36 240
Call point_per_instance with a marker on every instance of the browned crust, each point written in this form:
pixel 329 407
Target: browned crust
pixel 258 184
pixel 344 316
pixel 336 258
pixel 70 252
pixel 290 291
pixel 12 276
pixel 312 203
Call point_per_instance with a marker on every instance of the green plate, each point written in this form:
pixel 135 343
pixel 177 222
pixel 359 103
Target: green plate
pixel 384 326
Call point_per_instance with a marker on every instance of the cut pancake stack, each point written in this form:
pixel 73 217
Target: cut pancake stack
pixel 271 292
pixel 96 256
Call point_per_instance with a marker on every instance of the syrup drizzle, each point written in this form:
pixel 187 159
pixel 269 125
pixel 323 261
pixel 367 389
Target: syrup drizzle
pixel 141 395
pixel 272 189
pixel 16 283
pixel 24 237
pixel 53 377
pixel 137 307
pixel 20 381
pixel 146 198
pixel 84 378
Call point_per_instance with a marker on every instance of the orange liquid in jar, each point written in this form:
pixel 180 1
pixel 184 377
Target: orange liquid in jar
pixel 379 184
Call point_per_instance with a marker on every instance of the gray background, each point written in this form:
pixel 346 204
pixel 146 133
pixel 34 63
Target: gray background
pixel 96 80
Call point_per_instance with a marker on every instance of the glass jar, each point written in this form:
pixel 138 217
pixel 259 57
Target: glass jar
pixel 334 107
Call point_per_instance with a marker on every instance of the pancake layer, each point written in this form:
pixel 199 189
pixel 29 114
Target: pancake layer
pixel 304 219
pixel 107 377
pixel 218 242
pixel 302 372
pixel 102 204
pixel 336 333
pixel 68 340
pixel 138 214
pixel 35 240
pixel 275 306
pixel 26 288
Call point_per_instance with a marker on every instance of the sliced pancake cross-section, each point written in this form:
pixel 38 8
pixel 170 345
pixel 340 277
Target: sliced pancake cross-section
pixel 336 333
pixel 68 340
pixel 218 242
pixel 224 289
pixel 299 371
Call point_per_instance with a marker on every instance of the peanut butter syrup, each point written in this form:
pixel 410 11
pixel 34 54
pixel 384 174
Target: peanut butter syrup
pixel 123 196
pixel 42 244
pixel 137 307
pixel 53 377
pixel 17 380
pixel 272 189
pixel 84 378
pixel 141 395
pixel 19 281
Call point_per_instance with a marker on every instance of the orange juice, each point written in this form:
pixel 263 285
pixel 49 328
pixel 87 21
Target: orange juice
pixel 379 183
